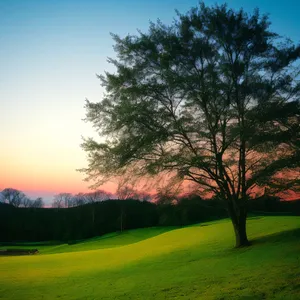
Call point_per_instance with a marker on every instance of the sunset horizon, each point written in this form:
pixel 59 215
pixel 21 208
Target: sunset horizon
pixel 50 55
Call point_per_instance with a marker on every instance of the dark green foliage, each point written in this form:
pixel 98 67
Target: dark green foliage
pixel 96 219
pixel 38 224
pixel 273 205
pixel 190 210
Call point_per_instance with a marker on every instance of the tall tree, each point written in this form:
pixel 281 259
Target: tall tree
pixel 213 98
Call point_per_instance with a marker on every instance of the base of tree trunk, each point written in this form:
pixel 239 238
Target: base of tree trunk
pixel 241 239
pixel 243 244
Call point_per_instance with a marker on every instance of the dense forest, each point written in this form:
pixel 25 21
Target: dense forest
pixel 94 219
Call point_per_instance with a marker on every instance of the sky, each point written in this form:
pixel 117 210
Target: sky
pixel 50 53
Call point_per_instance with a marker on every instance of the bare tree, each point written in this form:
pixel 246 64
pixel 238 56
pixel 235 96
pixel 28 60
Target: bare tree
pixel 143 196
pixel 126 192
pixel 37 203
pixel 79 199
pixel 97 196
pixel 27 202
pixel 126 188
pixel 13 197
pixel 62 200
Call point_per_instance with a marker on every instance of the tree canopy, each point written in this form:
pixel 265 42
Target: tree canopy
pixel 212 98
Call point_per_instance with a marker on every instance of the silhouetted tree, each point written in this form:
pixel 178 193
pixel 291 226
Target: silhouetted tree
pixel 212 98
pixel 26 202
pixel 13 197
pixel 169 192
pixel 143 196
pixel 37 203
pixel 79 199
pixel 126 192
pixel 96 196
pixel 61 200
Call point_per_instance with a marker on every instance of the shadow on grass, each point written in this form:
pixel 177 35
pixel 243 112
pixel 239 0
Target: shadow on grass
pixel 278 237
pixel 130 233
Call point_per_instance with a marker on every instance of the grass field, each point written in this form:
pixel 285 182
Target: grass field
pixel 196 262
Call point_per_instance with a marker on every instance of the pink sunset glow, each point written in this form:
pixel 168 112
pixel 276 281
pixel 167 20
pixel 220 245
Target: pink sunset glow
pixel 50 55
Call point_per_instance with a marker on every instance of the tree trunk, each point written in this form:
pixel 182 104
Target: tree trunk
pixel 238 217
pixel 241 239
pixel 121 227
pixel 122 217
pixel 93 215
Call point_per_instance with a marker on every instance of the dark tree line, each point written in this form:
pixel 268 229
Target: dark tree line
pixel 98 218
pixel 65 200
pixel 92 219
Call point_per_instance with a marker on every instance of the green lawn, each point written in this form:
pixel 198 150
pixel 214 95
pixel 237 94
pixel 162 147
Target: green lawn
pixel 196 262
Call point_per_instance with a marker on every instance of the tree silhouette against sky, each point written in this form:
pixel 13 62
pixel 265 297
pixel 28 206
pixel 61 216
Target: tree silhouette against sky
pixel 212 98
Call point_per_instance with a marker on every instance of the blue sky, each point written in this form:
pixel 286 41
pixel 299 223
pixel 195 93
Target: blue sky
pixel 50 53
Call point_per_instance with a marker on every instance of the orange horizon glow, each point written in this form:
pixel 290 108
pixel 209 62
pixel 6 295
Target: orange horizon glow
pixel 43 182
pixel 40 182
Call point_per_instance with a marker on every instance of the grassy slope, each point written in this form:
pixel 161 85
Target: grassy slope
pixel 110 240
pixel 196 262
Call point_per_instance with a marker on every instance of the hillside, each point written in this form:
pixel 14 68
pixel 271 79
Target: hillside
pixel 196 262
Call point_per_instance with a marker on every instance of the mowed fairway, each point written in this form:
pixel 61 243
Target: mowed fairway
pixel 196 262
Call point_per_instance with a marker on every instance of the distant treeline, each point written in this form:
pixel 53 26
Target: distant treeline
pixel 94 219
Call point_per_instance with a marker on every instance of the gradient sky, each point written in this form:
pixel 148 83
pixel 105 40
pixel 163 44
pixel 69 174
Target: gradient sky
pixel 50 53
